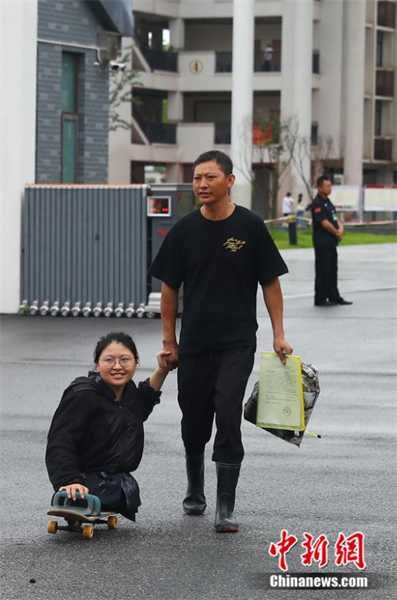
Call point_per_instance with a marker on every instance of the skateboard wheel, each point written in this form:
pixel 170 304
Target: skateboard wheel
pixel 88 532
pixel 52 527
pixel 112 523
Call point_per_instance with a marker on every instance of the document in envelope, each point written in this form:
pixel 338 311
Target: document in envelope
pixel 280 398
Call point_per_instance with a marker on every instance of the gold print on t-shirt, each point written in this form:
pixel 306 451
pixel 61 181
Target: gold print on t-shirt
pixel 233 244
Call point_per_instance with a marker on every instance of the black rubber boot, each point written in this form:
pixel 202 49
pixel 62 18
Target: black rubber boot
pixel 225 521
pixel 194 503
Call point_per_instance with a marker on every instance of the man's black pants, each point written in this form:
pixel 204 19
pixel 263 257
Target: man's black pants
pixel 214 383
pixel 326 266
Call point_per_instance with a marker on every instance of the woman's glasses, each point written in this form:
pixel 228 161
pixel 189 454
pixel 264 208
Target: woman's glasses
pixel 124 361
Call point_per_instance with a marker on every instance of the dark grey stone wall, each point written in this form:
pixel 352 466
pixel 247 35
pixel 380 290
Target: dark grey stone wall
pixel 71 22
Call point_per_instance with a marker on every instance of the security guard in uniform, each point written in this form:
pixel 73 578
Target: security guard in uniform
pixel 327 233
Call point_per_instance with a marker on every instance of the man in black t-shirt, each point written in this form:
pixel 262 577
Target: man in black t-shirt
pixel 327 232
pixel 219 253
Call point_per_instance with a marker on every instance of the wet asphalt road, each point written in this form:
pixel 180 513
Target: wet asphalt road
pixel 344 482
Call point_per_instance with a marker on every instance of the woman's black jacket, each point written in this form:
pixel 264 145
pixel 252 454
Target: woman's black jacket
pixel 92 431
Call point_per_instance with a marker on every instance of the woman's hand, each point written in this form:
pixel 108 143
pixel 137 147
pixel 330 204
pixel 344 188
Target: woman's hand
pixel 158 377
pixel 73 488
pixel 162 361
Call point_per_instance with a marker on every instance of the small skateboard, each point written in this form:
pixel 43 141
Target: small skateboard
pixel 80 515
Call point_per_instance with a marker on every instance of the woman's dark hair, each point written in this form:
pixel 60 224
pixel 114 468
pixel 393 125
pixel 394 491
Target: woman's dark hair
pixel 120 338
pixel 219 157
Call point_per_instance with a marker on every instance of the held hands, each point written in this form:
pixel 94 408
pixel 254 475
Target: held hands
pixel 158 377
pixel 171 349
pixel 72 488
pixel 282 347
pixel 163 360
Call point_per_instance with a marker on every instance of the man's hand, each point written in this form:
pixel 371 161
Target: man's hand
pixel 171 358
pixel 282 347
pixel 73 488
pixel 169 311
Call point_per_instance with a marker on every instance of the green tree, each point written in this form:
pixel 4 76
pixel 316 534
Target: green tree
pixel 122 83
pixel 273 150
pixel 273 143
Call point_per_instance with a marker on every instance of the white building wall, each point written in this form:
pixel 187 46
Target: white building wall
pixel 330 43
pixel 217 37
pixel 297 79
pixel 334 98
pixel 18 124
pixel 353 90
pixel 242 99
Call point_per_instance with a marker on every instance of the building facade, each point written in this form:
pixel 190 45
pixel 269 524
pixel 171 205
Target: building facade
pixel 55 107
pixel 331 66
pixel 73 90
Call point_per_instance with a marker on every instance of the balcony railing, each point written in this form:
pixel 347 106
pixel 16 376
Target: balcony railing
pixel 156 133
pixel 161 133
pixel 316 62
pixel 224 63
pixel 385 83
pixel 268 63
pixel 223 133
pixel 383 149
pixel 387 14
pixel 161 61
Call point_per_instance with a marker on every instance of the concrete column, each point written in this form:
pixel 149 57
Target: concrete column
pixel 242 99
pixel 157 38
pixel 287 59
pixel 18 107
pixel 175 106
pixel 330 41
pixel 177 34
pixel 302 83
pixel 353 86
pixel 174 173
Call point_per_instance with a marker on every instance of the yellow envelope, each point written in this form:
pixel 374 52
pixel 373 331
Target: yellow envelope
pixel 280 398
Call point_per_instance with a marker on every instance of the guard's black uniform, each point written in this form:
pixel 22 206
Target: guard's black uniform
pixel 325 249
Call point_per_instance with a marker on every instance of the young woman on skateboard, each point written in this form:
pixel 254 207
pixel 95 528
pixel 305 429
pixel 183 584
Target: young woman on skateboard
pixel 96 436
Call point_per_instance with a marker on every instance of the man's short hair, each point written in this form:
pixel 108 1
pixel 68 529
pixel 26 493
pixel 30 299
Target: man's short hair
pixel 222 159
pixel 321 180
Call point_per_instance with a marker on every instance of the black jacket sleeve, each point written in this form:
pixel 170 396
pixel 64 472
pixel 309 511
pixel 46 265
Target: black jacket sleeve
pixel 148 398
pixel 66 432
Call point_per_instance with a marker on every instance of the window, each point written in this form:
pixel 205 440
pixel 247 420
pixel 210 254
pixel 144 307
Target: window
pixel 387 14
pixel 314 134
pixel 316 62
pixel 69 147
pixel 69 123
pixel 379 49
pixel 378 117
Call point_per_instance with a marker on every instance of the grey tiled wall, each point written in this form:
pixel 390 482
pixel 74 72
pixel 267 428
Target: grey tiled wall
pixel 71 22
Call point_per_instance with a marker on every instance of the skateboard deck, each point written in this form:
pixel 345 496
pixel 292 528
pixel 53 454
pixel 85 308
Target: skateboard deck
pixel 76 519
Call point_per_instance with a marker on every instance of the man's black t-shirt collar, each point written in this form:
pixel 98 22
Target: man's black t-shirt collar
pixel 217 220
